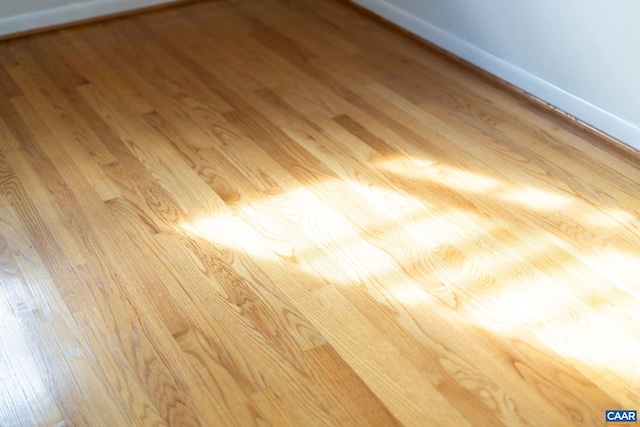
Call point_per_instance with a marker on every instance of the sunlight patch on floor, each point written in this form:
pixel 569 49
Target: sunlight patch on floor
pixel 542 312
pixel 619 267
pixel 481 274
pixel 612 218
pixel 229 231
pixel 409 293
pixel 466 181
pixel 444 175
pixel 431 228
pixel 538 199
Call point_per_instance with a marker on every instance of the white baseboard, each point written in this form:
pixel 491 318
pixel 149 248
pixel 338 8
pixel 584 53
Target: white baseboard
pixel 565 101
pixel 73 12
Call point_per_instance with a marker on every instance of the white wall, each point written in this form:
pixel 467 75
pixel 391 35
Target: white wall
pixel 23 15
pixel 582 56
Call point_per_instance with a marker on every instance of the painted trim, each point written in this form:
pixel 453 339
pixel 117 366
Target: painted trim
pixel 577 107
pixel 70 13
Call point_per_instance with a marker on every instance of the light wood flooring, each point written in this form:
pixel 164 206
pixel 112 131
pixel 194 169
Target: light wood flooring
pixel 287 213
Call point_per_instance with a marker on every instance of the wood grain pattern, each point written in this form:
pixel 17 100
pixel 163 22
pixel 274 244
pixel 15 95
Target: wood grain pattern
pixel 285 213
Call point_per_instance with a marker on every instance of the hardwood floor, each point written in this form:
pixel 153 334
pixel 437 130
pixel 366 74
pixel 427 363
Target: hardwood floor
pixel 287 213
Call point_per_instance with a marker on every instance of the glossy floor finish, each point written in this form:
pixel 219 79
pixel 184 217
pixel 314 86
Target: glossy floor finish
pixel 283 212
